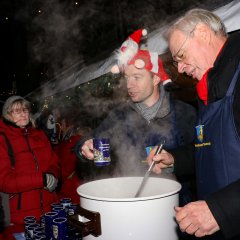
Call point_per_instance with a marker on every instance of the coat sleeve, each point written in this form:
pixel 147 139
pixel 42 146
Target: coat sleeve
pixel 86 168
pixel 225 207
pixel 105 129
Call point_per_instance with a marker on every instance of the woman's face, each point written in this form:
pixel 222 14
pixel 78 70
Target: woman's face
pixel 19 114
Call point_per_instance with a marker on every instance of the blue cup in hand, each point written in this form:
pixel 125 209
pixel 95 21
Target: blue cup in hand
pixel 101 151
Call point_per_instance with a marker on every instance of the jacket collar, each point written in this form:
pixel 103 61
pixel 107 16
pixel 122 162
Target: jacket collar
pixel 220 76
pixel 12 124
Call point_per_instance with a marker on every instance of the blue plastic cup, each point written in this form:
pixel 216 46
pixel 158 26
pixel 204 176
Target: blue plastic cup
pixel 66 202
pixel 60 229
pixel 39 229
pixel 60 210
pixel 42 221
pixel 55 204
pixel 72 209
pixel 28 221
pixel 31 228
pixel 40 236
pixel 49 217
pixel 29 218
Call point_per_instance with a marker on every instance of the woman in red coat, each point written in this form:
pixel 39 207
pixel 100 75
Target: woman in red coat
pixel 29 175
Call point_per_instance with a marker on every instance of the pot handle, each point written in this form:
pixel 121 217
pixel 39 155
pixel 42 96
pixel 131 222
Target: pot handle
pixel 88 222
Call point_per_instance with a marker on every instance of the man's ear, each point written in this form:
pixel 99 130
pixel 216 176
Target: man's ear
pixel 156 80
pixel 203 32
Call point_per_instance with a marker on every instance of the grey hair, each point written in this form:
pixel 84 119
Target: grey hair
pixel 13 100
pixel 195 16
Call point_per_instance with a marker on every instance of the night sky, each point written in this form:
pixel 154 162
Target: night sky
pixel 41 38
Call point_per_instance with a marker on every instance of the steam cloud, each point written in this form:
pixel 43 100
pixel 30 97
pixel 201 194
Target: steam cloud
pixel 59 32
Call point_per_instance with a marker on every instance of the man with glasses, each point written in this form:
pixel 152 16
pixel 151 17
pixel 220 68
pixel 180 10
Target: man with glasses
pixel 178 56
pixel 202 49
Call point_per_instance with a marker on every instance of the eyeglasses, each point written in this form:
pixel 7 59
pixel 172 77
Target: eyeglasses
pixel 179 55
pixel 18 111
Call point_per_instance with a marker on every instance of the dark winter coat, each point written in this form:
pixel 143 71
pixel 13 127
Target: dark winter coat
pixel 130 133
pixel 224 204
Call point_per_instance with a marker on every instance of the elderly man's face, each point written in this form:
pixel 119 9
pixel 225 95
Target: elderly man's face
pixel 140 84
pixel 190 53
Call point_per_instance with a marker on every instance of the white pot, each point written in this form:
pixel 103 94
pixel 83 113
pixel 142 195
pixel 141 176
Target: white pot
pixel 150 216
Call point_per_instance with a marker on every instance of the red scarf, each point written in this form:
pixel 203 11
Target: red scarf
pixel 202 88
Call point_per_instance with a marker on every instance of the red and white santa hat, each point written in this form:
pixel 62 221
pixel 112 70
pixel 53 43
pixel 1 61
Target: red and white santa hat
pixel 130 54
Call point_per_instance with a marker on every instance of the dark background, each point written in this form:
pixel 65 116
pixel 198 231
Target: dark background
pixel 41 38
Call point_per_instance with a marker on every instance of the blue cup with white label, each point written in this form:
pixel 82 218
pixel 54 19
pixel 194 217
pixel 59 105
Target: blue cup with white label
pixel 101 151
pixel 49 217
pixel 60 228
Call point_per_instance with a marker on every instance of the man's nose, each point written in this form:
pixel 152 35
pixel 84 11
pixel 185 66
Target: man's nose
pixel 181 67
pixel 130 83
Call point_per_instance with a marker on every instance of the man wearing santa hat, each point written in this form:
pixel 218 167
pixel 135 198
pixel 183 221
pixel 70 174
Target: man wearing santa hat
pixel 148 118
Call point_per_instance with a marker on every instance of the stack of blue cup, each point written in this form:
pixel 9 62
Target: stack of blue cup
pixel 53 225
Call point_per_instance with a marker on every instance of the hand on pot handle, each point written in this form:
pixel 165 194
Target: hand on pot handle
pixel 163 160
pixel 87 149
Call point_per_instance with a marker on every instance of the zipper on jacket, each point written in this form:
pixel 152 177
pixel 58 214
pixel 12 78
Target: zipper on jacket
pixel 30 149
pixel 41 201
pixel 19 195
pixel 37 167
pixel 19 201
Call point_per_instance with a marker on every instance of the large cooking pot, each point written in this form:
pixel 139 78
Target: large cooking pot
pixel 109 210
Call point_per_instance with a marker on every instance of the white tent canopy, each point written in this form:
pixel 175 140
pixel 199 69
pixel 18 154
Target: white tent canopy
pixel 228 13
pixel 156 42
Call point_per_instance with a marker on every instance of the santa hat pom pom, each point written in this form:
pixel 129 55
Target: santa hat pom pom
pixel 115 69
pixel 129 48
pixel 144 32
pixel 137 35
pixel 139 63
